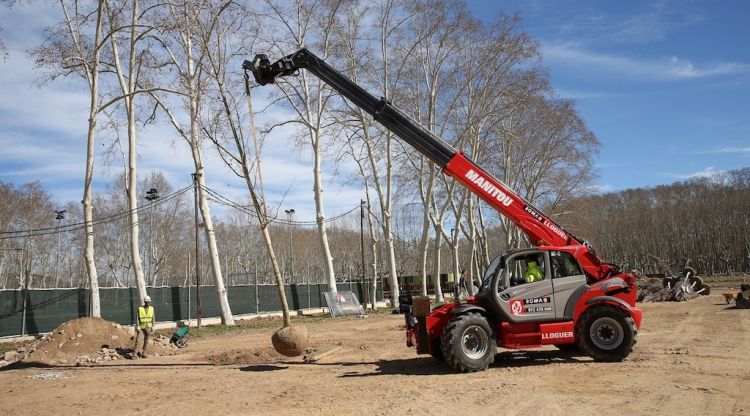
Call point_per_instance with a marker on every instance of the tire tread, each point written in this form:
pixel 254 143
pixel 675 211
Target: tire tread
pixel 582 334
pixel 447 339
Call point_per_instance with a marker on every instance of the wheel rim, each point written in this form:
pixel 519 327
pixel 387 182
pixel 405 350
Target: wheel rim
pixel 474 342
pixel 606 333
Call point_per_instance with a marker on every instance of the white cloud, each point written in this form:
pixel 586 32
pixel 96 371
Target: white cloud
pixel 727 149
pixel 601 188
pixel 733 150
pixel 667 69
pixel 708 172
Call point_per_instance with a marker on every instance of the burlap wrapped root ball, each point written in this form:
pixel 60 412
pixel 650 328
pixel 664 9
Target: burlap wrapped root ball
pixel 290 341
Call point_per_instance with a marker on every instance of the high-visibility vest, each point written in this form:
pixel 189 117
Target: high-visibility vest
pixel 533 274
pixel 146 316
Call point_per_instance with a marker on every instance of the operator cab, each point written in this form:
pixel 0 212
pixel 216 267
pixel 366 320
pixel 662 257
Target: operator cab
pixel 531 285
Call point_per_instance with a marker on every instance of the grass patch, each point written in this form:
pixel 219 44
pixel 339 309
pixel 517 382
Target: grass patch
pixel 726 278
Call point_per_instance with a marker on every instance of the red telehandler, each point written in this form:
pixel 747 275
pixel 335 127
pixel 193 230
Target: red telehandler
pixel 557 292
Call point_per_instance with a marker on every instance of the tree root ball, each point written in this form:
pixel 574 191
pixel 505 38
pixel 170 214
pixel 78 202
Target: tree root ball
pixel 290 341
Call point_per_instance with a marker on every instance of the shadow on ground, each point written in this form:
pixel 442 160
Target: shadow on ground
pixel 129 364
pixel 420 366
pixel 263 367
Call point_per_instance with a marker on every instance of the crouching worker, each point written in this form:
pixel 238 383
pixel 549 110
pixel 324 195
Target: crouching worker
pixel 145 325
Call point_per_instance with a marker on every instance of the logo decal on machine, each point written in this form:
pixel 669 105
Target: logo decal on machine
pixel 488 187
pixel 557 335
pixel 516 307
pixel 534 301
pixel 521 306
pixel 555 229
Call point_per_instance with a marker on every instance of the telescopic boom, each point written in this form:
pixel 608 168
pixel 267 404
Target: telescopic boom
pixel 540 229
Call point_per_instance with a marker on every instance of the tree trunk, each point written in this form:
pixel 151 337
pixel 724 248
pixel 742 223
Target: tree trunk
pixel 208 228
pixel 88 215
pixel 132 189
pixel 320 217
pixel 436 265
pixel 88 210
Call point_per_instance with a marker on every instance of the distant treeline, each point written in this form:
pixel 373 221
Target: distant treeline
pixel 702 223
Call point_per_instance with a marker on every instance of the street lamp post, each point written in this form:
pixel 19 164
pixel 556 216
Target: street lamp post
pixel 289 213
pixel 151 196
pixel 59 216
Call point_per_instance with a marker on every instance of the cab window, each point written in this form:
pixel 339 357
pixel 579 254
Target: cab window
pixel 529 268
pixel 564 265
pixel 493 269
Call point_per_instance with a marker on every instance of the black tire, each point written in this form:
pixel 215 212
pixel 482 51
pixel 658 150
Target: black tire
pixel 606 333
pixel 437 351
pixel 468 343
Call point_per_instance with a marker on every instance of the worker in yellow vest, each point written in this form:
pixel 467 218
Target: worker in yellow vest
pixel 145 325
pixel 533 274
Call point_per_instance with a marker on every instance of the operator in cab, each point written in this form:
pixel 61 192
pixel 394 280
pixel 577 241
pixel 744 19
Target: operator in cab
pixel 533 274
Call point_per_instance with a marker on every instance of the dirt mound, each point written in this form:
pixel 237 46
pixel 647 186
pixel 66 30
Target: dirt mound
pixel 653 290
pixel 246 357
pixel 89 340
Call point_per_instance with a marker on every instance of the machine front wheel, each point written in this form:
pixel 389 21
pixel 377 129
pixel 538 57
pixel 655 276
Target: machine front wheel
pixel 606 333
pixel 468 344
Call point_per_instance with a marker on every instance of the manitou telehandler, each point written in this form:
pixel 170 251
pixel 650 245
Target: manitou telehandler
pixel 573 301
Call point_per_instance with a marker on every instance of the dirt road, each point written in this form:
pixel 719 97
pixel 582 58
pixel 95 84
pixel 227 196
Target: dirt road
pixel 691 359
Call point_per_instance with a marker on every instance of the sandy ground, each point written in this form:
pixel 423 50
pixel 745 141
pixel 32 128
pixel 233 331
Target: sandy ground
pixel 692 358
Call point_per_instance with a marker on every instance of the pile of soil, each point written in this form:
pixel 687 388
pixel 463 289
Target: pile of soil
pixel 653 290
pixel 90 340
pixel 246 357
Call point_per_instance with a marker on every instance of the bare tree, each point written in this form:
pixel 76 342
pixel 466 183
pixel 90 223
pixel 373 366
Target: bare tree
pixel 130 29
pixel 225 120
pixel 309 23
pixel 72 51
pixel 187 29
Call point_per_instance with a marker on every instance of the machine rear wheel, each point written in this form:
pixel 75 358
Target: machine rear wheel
pixel 468 344
pixel 606 333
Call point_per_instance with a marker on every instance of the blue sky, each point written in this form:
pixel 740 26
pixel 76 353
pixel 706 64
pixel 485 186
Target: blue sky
pixel 663 84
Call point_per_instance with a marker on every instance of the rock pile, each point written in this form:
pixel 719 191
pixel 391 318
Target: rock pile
pixel 653 290
pixel 12 356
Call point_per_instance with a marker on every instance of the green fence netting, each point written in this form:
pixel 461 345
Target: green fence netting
pixel 46 309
